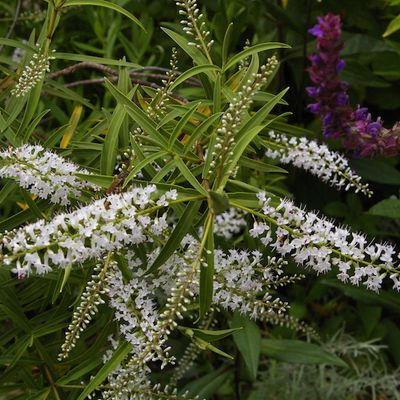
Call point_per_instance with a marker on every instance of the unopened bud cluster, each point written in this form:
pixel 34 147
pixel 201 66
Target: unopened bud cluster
pixel 193 24
pixel 329 166
pixel 87 308
pixel 33 73
pixel 43 173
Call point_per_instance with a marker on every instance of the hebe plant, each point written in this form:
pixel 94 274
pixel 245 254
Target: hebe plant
pixel 173 219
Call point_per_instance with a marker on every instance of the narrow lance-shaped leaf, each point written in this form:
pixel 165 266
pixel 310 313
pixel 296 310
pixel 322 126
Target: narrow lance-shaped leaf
pixel 106 4
pixel 195 54
pixel 110 145
pixel 207 270
pixel 118 355
pixel 259 117
pixel 181 229
pixel 198 69
pixel 189 176
pixel 137 115
pixel 142 164
pixel 99 60
pixel 252 50
pixel 200 130
pixel 181 124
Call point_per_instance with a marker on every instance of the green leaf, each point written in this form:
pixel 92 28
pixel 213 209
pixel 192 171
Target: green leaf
pixel 208 335
pixel 259 117
pixel 299 352
pixel 110 145
pixel 32 126
pixel 181 229
pixel 217 94
pixel 198 69
pixel 202 344
pixel 195 54
pixel 248 341
pixel 394 26
pixel 238 150
pixel 253 50
pixel 119 354
pixel 370 316
pixel 17 44
pixel 389 208
pixel 207 271
pixel 219 202
pixel 137 114
pixel 80 370
pixel 226 43
pixel 142 164
pixel 260 166
pixel 185 171
pixel 179 127
pixel 106 4
pixel 99 60
pixel 198 132
pixel 387 299
pixel 103 181
pixel 207 385
pixel 376 171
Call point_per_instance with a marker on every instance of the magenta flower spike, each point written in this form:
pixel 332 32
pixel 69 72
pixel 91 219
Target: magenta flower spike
pixel 359 132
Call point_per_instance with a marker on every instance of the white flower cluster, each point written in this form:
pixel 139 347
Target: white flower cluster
pixel 329 166
pixel 242 280
pixel 127 383
pixel 229 223
pixel 32 74
pixel 193 24
pixel 105 225
pixel 135 308
pixel 43 173
pixel 317 243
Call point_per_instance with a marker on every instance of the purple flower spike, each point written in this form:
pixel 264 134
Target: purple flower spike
pixel 360 134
